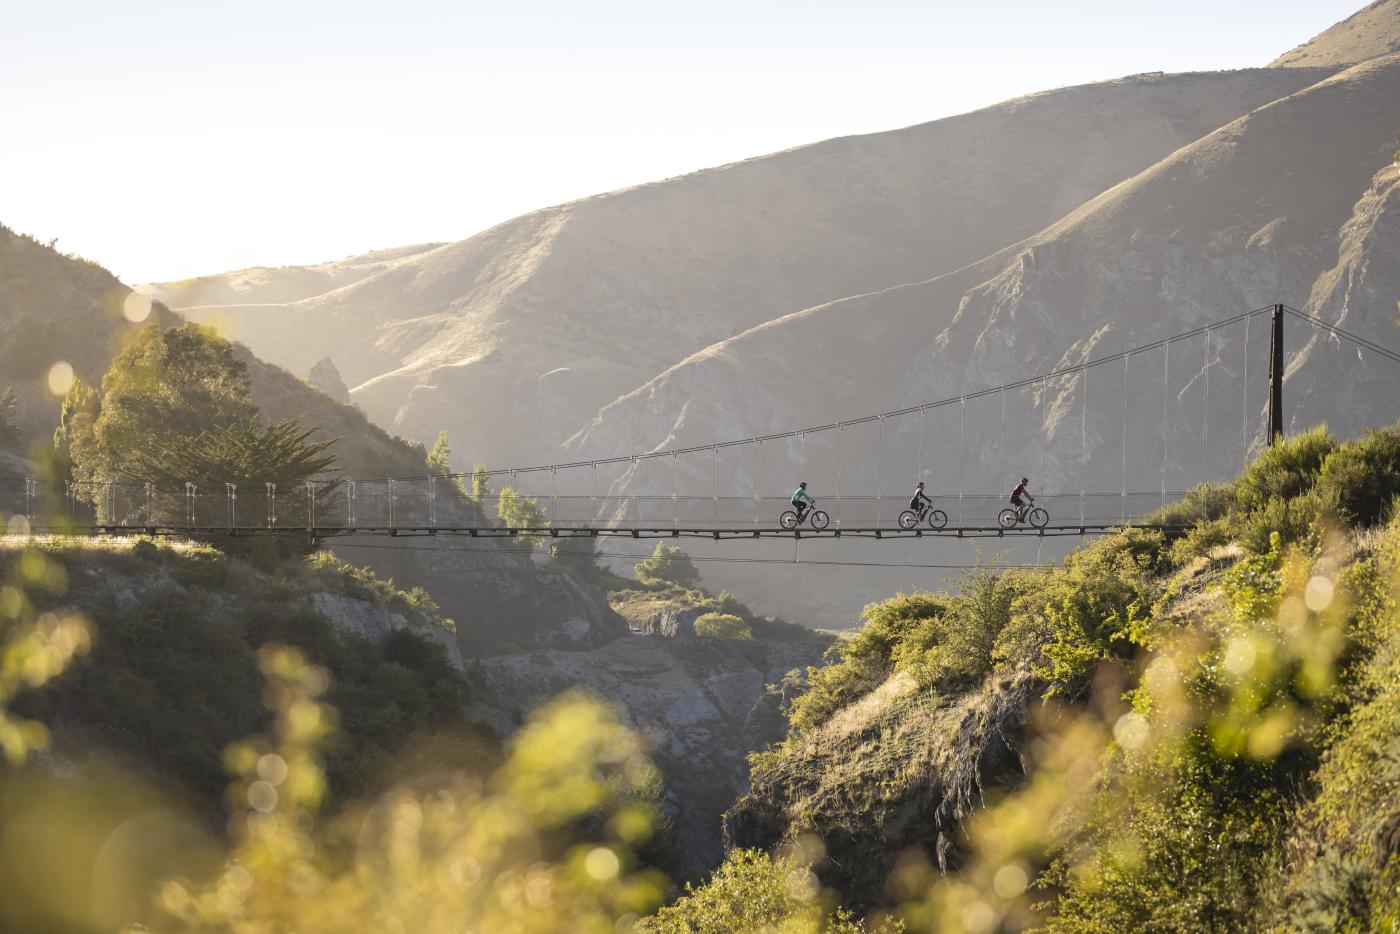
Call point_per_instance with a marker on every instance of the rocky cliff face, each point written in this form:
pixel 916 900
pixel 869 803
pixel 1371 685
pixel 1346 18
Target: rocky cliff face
pixel 704 704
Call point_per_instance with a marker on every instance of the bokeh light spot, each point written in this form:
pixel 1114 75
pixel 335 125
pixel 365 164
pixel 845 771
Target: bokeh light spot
pixel 262 796
pixel 136 308
pixel 602 863
pixel 61 378
pixel 1318 594
pixel 1011 880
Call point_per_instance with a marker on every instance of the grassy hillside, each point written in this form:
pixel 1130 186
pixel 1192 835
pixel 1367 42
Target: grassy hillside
pixel 1188 734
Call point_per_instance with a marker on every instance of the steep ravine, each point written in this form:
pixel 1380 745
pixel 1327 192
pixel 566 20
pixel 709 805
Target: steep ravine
pixel 704 704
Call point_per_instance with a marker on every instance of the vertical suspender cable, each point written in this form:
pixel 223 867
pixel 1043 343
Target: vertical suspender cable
pixel 962 451
pixel 757 477
pixel 1205 410
pixel 675 493
pixel 840 432
pixel 1244 402
pixel 1166 384
pixel 1083 436
pixel 1123 466
pixel 1044 393
pixel 714 477
pixel 922 413
pixel 1001 468
pixel 880 473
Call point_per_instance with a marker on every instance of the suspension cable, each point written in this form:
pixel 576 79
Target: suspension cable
pixel 909 410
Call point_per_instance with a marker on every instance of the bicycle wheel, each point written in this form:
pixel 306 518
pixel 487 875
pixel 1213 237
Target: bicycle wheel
pixel 788 520
pixel 819 519
pixel 1039 517
pixel 907 520
pixel 1007 518
pixel 937 519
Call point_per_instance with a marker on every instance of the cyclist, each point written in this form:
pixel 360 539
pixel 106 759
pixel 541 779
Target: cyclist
pixel 920 501
pixel 1019 503
pixel 802 500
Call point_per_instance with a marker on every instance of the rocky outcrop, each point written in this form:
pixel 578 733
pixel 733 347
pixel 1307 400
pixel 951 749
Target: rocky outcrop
pixel 901 769
pixel 375 622
pixel 325 377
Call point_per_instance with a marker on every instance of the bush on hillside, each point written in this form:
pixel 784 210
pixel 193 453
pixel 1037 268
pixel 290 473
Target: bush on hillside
pixel 753 891
pixel 722 626
pixel 1092 609
pixel 955 648
pixel 1363 476
pixel 668 564
pixel 1285 470
pixel 860 663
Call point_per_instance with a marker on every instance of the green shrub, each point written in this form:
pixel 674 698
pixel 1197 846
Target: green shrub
pixel 1363 476
pixel 1201 541
pixel 1285 470
pixel 955 648
pixel 722 626
pixel 861 662
pixel 1094 608
pixel 753 891
pixel 1202 504
pixel 1294 520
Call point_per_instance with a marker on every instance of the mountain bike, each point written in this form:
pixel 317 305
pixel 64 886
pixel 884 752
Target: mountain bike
pixel 811 515
pixel 1036 516
pixel 937 518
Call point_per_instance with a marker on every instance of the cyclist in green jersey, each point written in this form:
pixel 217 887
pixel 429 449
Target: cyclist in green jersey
pixel 802 500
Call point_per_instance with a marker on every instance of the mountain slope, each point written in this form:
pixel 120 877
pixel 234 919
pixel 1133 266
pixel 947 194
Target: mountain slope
pixel 1221 226
pixel 1366 34
pixel 553 315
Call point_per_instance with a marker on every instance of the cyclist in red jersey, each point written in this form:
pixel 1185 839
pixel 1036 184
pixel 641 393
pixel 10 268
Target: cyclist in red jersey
pixel 1019 503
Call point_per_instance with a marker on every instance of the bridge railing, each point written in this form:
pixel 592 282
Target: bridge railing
pixel 331 505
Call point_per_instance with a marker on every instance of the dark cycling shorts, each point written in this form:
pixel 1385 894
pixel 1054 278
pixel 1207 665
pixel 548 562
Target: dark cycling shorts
pixel 1017 501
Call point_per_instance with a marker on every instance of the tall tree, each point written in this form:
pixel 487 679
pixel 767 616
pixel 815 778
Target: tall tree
pixel 242 453
pixel 9 417
pixel 440 457
pixel 522 512
pixel 74 440
pixel 164 386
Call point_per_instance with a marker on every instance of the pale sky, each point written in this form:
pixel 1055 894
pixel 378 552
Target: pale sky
pixel 170 139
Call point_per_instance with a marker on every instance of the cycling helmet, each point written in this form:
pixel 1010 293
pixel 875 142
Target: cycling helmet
pixel 1025 479
pixel 920 484
pixel 803 484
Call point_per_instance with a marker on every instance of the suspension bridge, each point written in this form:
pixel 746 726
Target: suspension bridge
pixel 1154 407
